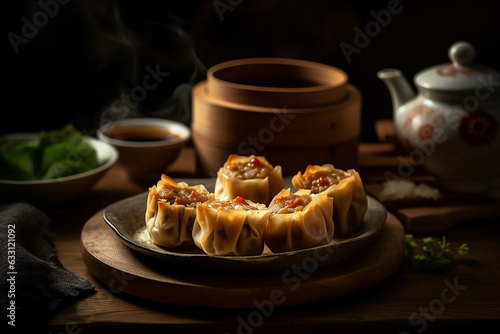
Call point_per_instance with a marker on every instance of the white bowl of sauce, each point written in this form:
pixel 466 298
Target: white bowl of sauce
pixel 146 146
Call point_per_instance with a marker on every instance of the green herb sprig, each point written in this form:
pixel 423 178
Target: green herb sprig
pixel 432 254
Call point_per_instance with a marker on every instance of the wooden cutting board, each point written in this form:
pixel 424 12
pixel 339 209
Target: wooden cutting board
pixel 127 271
pixel 421 216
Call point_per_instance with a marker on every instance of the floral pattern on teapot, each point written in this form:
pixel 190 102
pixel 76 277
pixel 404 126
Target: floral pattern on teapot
pixel 422 120
pixel 478 128
pixel 475 128
pixel 450 70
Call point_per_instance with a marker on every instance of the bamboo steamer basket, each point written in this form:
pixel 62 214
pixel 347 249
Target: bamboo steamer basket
pixel 293 112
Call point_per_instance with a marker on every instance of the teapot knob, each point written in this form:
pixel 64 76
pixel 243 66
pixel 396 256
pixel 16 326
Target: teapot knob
pixel 462 54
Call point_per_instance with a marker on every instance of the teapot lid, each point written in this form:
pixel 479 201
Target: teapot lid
pixel 459 75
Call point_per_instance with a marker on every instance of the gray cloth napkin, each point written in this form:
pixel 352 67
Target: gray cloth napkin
pixel 34 284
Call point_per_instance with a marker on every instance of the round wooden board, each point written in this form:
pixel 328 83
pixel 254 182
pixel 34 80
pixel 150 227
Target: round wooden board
pixel 129 271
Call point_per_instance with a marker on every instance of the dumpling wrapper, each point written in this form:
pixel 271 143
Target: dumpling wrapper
pixel 311 227
pixel 350 201
pixel 258 190
pixel 170 225
pixel 232 231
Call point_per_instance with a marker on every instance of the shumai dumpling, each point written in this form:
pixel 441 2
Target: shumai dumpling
pixel 298 221
pixel 233 227
pixel 346 188
pixel 251 177
pixel 171 211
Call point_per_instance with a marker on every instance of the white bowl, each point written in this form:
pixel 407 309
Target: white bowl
pixel 145 161
pixel 62 189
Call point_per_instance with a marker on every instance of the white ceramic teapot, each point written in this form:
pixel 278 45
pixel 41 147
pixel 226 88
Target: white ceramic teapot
pixel 452 127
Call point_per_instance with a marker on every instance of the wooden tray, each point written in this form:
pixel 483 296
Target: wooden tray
pixel 129 271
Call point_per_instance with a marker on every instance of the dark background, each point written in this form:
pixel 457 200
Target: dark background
pixel 88 52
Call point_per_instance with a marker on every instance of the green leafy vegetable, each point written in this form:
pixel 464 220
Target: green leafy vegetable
pixel 432 254
pixel 50 155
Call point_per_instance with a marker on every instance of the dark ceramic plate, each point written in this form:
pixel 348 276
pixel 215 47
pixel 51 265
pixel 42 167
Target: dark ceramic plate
pixel 127 219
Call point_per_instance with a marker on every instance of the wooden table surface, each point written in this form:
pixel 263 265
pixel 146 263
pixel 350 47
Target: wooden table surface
pixel 465 299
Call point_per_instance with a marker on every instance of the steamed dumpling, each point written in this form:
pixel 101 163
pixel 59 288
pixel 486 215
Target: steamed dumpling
pixel 346 188
pixel 233 227
pixel 171 211
pixel 298 221
pixel 252 178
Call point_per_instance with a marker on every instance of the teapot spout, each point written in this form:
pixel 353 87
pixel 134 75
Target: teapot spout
pixel 399 88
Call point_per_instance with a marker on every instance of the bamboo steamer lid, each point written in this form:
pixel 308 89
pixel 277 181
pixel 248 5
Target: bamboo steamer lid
pixel 276 82
pixel 293 112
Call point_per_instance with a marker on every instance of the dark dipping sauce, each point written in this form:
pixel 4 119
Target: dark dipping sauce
pixel 143 135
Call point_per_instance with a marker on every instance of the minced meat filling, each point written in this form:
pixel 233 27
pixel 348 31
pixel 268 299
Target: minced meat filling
pixel 253 169
pixel 321 183
pixel 185 196
pixel 289 204
pixel 238 203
